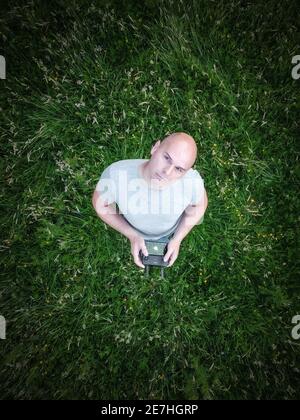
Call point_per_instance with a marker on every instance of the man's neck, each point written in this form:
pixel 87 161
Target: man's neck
pixel 144 172
pixel 155 185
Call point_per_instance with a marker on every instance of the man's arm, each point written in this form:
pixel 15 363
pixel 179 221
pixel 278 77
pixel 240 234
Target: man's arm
pixel 191 217
pixel 108 213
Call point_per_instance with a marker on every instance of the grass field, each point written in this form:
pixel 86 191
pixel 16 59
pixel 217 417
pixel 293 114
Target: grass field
pixel 90 84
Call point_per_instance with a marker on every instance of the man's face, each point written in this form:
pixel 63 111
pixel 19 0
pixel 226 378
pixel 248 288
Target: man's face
pixel 169 162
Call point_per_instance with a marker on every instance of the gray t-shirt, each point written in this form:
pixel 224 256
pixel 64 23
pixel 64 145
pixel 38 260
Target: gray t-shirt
pixel 151 212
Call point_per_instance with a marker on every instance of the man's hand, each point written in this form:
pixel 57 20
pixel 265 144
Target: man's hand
pixel 137 245
pixel 173 251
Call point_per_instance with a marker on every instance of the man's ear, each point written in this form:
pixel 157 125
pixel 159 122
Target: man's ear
pixel 155 147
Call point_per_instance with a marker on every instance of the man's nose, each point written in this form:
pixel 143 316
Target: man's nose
pixel 169 170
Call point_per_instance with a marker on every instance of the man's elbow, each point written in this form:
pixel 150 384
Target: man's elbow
pixel 203 205
pixel 201 209
pixel 206 201
pixel 102 207
pixel 96 201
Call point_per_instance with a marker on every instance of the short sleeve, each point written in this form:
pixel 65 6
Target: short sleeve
pixel 107 185
pixel 198 190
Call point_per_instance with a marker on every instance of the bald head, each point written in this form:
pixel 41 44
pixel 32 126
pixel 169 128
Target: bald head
pixel 170 159
pixel 182 143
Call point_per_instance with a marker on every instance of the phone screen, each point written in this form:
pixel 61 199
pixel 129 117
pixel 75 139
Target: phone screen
pixel 155 248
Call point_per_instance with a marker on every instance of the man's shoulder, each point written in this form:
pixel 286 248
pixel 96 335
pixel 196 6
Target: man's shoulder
pixel 194 180
pixel 193 174
pixel 126 164
pixel 122 168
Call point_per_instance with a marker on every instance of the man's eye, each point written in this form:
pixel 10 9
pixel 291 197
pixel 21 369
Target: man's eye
pixel 166 157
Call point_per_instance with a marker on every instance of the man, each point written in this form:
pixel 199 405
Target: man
pixel 170 201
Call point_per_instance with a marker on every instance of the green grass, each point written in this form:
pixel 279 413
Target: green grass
pixel 87 86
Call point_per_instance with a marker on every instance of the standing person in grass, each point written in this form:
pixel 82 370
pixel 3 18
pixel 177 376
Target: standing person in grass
pixel 160 199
